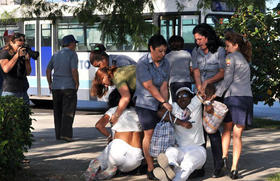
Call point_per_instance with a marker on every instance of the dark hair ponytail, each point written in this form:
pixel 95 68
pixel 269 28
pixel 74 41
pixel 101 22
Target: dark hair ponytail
pixel 98 53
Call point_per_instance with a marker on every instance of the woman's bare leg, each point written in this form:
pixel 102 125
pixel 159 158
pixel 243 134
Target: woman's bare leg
pixel 146 148
pixel 237 145
pixel 226 138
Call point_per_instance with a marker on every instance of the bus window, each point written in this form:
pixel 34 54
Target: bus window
pixel 169 26
pixel 93 36
pixel 221 6
pixel 3 28
pixel 188 24
pixel 30 40
pixel 71 27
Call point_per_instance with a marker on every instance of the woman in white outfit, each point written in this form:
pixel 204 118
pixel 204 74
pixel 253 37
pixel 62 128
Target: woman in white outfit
pixel 189 154
pixel 123 152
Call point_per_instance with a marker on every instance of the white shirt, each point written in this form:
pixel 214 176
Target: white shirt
pixel 128 121
pixel 194 135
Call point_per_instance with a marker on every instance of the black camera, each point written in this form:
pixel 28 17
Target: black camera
pixel 32 54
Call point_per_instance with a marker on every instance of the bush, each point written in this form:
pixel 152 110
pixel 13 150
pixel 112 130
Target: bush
pixel 15 135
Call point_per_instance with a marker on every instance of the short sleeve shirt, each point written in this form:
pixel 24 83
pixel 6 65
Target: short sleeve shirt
pixel 15 80
pixel 128 121
pixel 179 62
pixel 208 64
pixel 125 76
pixel 120 60
pixel 146 70
pixel 62 63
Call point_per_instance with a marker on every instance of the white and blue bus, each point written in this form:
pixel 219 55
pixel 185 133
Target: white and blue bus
pixel 44 36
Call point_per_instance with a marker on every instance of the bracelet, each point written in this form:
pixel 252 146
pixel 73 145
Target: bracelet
pixel 163 102
pixel 117 115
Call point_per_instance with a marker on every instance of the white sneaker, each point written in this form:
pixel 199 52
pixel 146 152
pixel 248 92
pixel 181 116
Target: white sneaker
pixel 160 174
pixel 163 163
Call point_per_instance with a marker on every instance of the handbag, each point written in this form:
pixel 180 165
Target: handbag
pixel 211 122
pixel 163 137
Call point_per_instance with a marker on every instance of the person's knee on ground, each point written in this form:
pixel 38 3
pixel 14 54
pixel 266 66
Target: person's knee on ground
pixel 172 154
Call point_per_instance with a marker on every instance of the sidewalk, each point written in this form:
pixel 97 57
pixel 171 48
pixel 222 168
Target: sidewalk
pixel 52 160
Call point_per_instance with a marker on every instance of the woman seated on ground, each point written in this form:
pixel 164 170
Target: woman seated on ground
pixel 189 154
pixel 123 78
pixel 123 152
pixel 99 58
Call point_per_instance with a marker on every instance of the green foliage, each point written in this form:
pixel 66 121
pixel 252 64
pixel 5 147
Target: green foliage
pixel 263 31
pixel 15 135
pixel 275 177
pixel 124 20
pixel 266 123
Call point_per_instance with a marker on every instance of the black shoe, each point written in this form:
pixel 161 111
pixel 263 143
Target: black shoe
pixel 197 173
pixel 150 176
pixel 226 164
pixel 234 174
pixel 218 173
pixel 65 138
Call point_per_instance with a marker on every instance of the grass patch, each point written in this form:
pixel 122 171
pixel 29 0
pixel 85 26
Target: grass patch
pixel 275 177
pixel 265 123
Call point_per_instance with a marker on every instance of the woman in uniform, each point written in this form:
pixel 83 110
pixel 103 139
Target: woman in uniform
pixel 152 74
pixel 208 64
pixel 238 95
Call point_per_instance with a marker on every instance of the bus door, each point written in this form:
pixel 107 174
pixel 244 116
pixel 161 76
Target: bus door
pixel 179 25
pixel 38 35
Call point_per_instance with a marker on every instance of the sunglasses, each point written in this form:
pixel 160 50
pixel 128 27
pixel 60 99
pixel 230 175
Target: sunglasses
pixel 183 96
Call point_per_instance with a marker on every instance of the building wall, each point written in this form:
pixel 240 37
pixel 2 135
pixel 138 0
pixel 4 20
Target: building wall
pixel 9 2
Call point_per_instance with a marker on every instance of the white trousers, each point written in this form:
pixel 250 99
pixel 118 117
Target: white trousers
pixel 186 159
pixel 121 155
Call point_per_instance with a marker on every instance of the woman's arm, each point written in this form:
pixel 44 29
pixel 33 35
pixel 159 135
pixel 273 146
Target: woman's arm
pixel 7 65
pixel 196 74
pixel 219 76
pixel 164 90
pixel 124 101
pixel 101 125
pixel 156 94
pixel 169 117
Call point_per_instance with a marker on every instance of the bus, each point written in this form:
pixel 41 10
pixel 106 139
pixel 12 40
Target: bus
pixel 44 36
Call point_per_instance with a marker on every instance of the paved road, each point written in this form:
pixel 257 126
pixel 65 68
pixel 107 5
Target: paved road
pixel 52 160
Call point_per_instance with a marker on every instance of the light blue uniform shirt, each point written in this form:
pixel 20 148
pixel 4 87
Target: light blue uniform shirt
pixel 62 63
pixel 179 62
pixel 237 77
pixel 120 60
pixel 208 64
pixel 147 70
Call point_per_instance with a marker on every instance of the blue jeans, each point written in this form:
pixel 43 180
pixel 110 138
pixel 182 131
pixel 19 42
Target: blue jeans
pixel 23 95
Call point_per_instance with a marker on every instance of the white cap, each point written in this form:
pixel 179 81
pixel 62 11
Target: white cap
pixel 184 88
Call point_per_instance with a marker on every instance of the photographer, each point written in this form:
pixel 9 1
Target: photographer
pixel 15 66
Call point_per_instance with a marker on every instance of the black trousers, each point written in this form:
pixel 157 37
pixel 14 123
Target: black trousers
pixel 64 108
pixel 216 148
